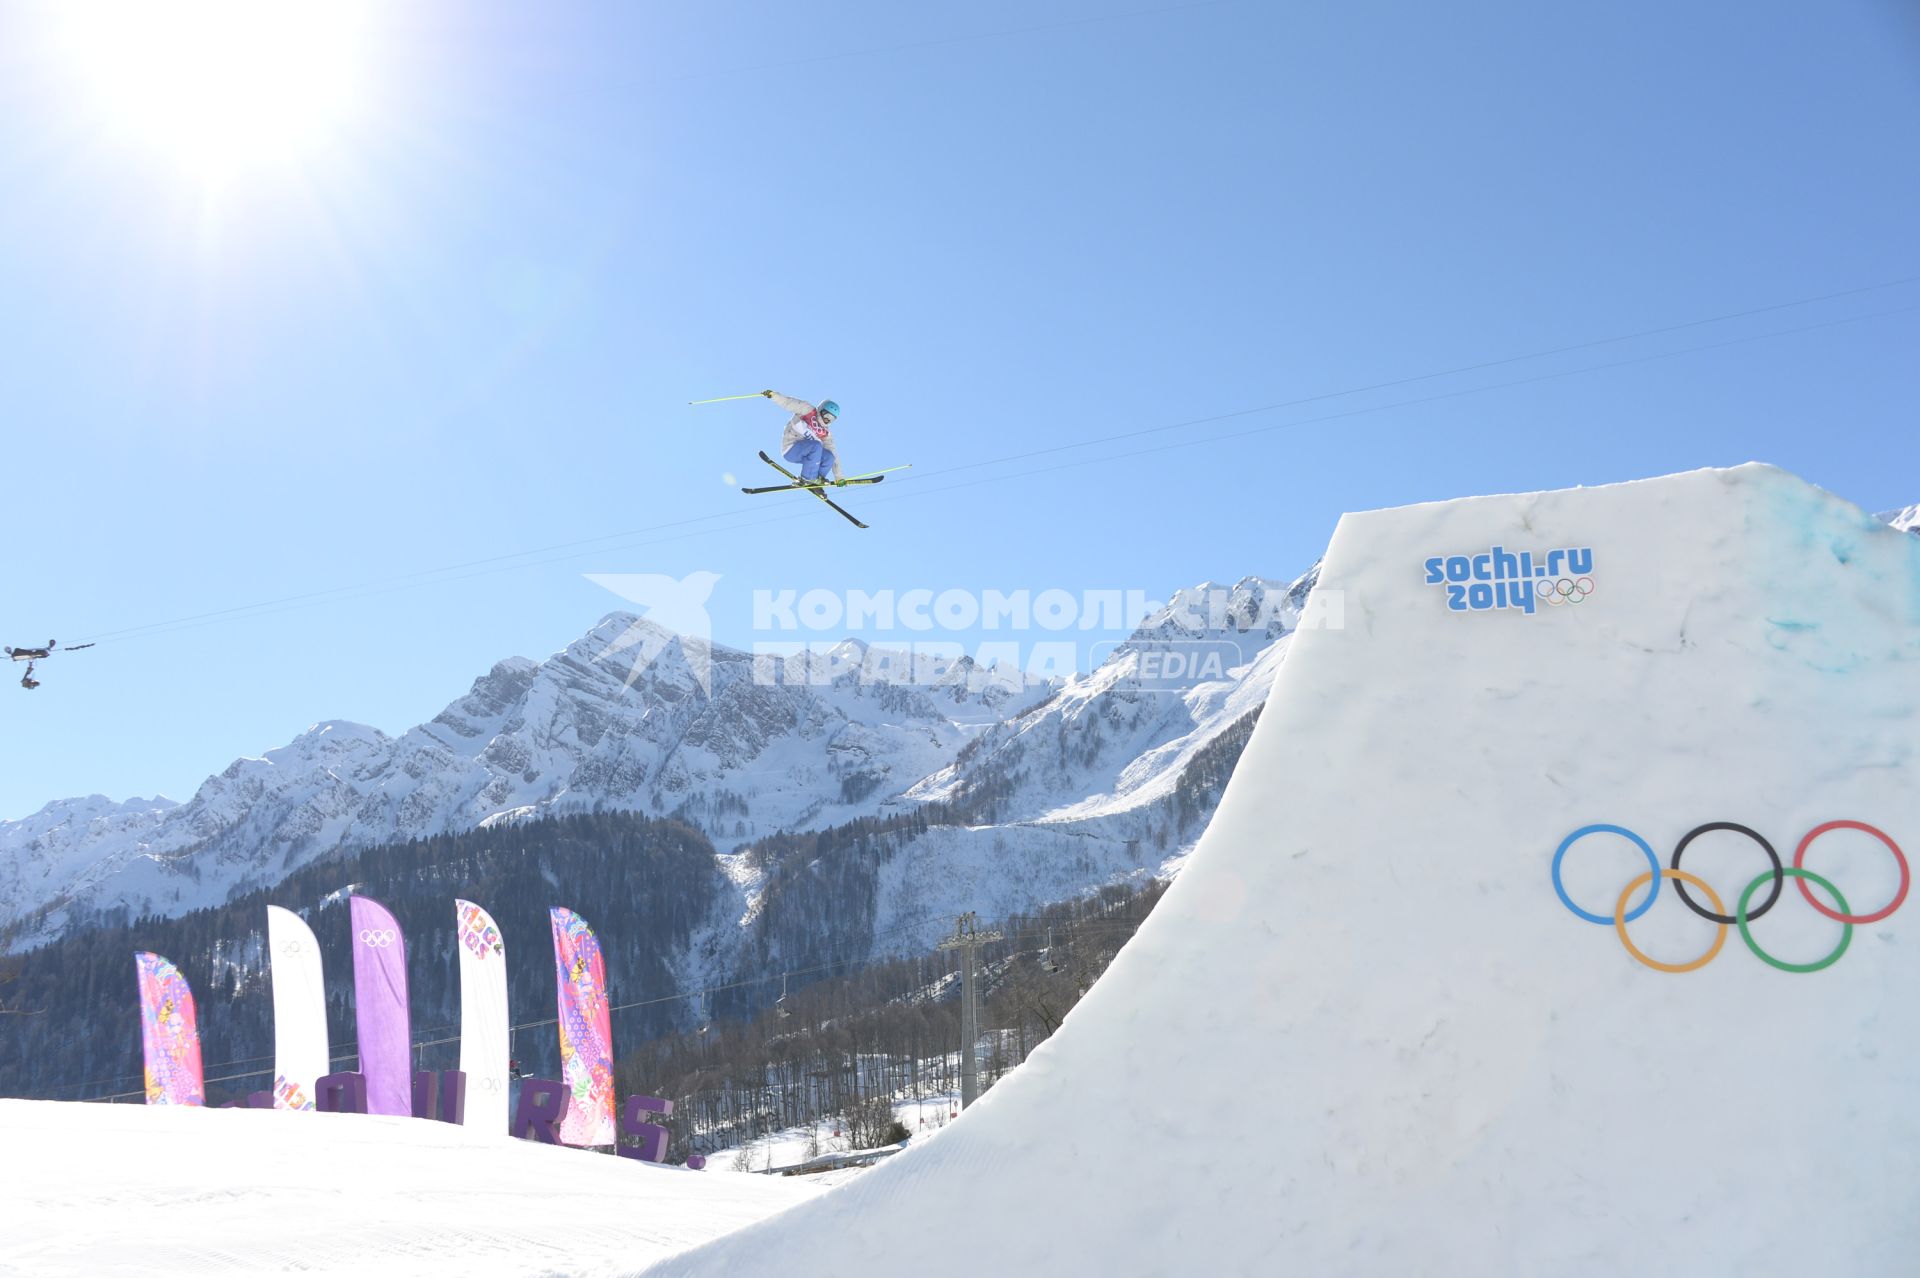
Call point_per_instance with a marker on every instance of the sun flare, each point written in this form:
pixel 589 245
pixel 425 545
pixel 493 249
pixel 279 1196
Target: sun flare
pixel 221 84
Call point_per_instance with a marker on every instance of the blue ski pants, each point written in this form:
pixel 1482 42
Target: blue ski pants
pixel 812 456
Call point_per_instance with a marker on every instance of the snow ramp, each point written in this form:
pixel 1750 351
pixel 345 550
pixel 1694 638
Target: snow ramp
pixel 1383 1024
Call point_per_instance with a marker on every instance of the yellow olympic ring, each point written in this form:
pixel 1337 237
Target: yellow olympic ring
pixel 1620 921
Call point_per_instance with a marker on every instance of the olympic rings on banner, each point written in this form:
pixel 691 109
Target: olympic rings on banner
pixel 1582 833
pixel 1561 590
pixel 1678 877
pixel 1745 912
pixel 1800 857
pixel 378 938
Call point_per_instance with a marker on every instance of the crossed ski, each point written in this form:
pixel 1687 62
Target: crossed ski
pixel 796 485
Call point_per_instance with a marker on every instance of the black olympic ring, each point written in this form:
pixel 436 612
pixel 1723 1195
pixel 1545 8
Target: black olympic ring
pixel 378 938
pixel 1779 871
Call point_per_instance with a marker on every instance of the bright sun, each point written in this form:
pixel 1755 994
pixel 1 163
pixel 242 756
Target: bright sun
pixel 221 84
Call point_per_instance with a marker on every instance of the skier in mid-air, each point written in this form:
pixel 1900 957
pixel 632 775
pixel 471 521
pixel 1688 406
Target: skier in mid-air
pixel 807 442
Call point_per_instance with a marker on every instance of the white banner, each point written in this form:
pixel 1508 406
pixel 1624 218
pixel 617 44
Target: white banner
pixel 484 1043
pixel 299 1010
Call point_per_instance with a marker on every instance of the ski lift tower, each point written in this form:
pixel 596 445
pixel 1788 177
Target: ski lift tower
pixel 967 938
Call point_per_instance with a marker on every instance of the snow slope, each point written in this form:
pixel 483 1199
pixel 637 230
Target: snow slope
pixel 135 1190
pixel 1467 1077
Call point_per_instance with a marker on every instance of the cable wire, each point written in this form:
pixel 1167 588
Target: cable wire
pixel 736 519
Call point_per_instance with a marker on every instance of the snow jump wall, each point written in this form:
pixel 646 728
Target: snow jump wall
pixel 1365 1033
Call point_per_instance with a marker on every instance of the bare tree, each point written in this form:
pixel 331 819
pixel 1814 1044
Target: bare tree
pixel 869 1122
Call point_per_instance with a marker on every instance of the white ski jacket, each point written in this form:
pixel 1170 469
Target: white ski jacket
pixel 804 422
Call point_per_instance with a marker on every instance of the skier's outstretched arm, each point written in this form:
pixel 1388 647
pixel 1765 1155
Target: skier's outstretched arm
pixel 788 402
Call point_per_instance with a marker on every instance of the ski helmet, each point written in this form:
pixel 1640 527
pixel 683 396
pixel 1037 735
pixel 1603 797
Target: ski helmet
pixel 829 409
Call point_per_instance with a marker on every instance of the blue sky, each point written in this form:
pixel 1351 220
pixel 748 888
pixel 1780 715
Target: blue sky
pixel 466 320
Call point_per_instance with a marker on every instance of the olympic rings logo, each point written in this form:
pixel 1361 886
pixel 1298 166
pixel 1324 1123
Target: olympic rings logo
pixel 378 938
pixel 1745 912
pixel 1557 591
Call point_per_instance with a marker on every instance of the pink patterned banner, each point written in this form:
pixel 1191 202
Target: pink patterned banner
pixel 586 1031
pixel 169 1033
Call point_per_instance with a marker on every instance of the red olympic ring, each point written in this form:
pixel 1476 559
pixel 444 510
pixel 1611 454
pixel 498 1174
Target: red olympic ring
pixel 1906 875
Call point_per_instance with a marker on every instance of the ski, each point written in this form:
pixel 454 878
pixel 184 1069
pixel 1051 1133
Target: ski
pixel 812 488
pixel 787 488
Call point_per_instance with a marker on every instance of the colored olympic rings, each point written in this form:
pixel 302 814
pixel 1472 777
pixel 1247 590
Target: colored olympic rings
pixel 378 938
pixel 1745 912
pixel 1561 590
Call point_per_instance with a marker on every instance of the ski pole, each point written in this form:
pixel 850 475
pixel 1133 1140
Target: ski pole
pixel 721 399
pixel 888 471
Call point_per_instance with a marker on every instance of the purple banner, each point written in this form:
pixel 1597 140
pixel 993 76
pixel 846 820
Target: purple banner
pixel 169 1033
pixel 380 1007
pixel 586 1032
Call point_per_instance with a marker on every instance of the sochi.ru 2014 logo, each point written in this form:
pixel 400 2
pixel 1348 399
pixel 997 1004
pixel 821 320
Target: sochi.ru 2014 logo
pixel 1500 578
pixel 1745 911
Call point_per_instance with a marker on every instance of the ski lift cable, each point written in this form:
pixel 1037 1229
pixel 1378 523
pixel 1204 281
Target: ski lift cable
pixel 1358 412
pixel 732 519
pixel 1454 372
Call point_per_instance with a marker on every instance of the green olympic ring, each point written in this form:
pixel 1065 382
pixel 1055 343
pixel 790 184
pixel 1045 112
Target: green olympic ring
pixel 1792 871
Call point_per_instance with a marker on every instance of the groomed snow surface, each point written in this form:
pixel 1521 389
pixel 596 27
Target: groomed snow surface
pixel 1362 1034
pixel 132 1190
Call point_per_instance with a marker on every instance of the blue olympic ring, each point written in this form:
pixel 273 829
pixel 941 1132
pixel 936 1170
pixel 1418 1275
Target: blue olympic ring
pixel 1582 832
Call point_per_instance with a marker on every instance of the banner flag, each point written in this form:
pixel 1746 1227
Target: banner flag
pixel 299 1010
pixel 586 1032
pixel 484 1033
pixel 169 1033
pixel 380 1007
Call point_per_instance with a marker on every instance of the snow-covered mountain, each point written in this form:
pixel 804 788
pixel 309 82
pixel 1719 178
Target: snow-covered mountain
pixel 1113 743
pixel 1113 777
pixel 818 741
pixel 1074 781
pixel 1060 786
pixel 1908 519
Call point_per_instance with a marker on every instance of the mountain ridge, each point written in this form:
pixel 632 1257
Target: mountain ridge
pixel 695 732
